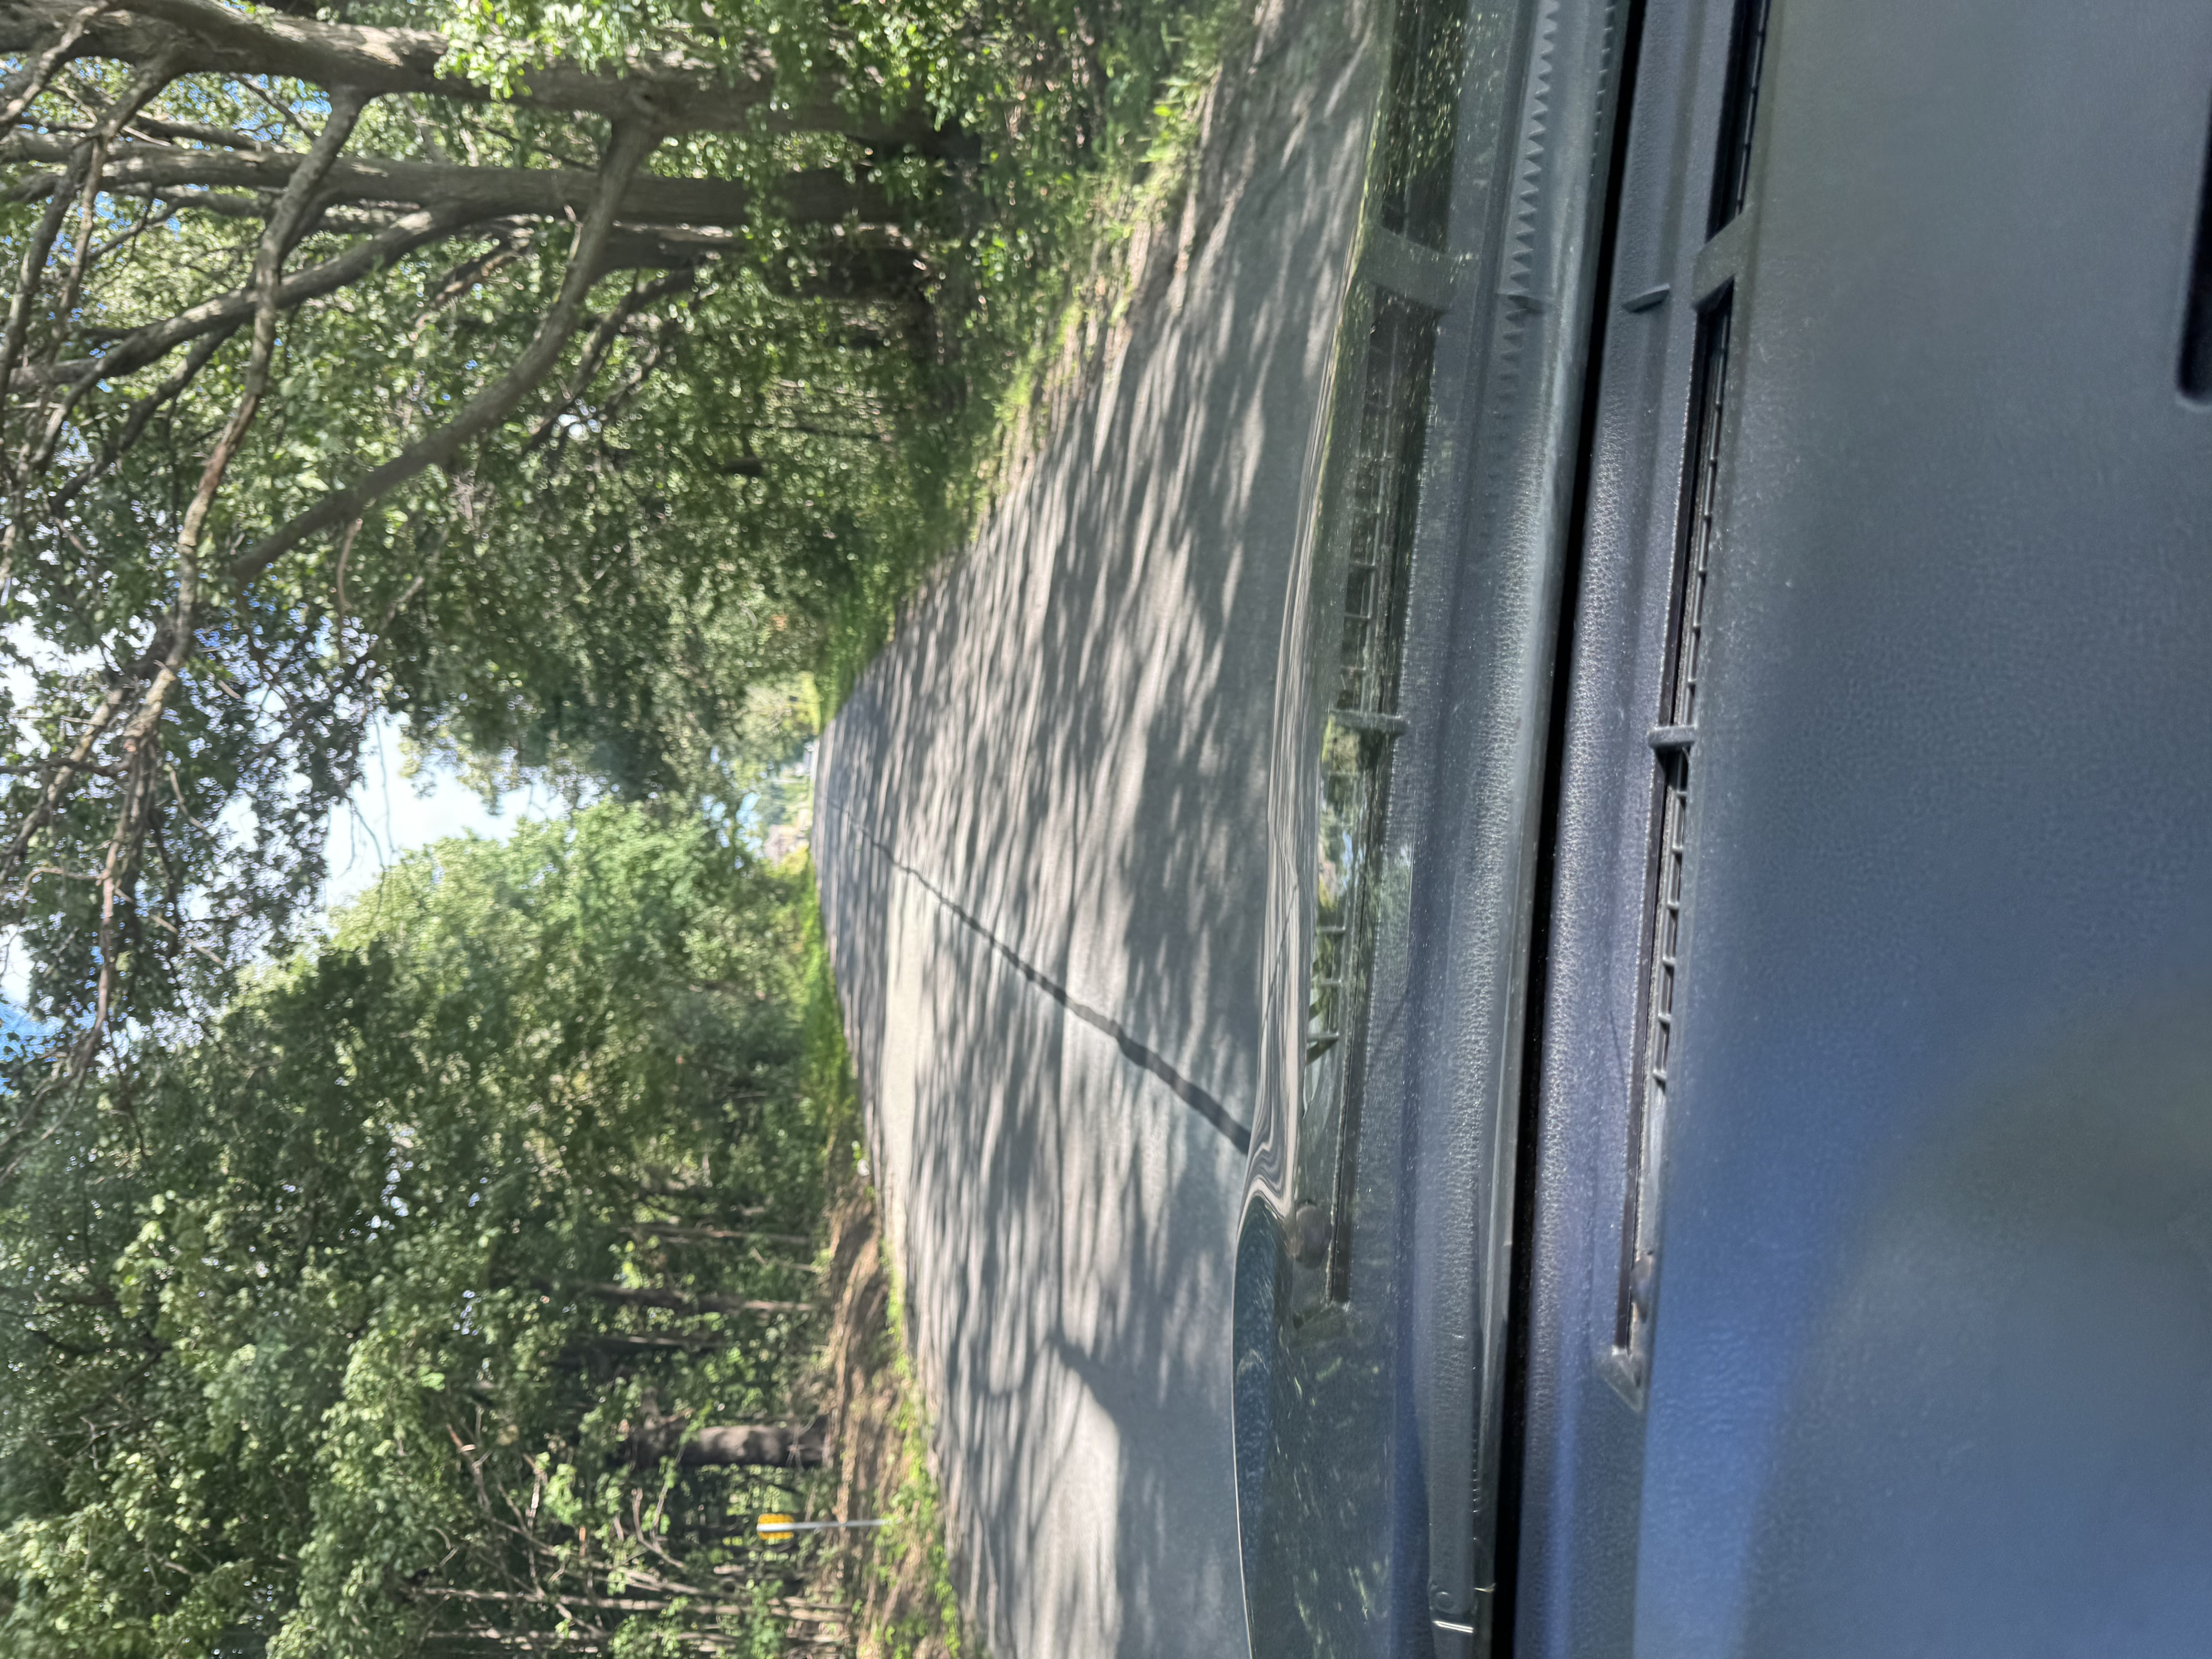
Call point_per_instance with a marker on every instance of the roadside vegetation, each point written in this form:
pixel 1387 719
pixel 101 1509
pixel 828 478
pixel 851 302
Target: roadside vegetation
pixel 584 389
pixel 897 1582
pixel 446 1289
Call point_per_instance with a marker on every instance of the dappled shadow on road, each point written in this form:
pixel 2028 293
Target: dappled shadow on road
pixel 1048 797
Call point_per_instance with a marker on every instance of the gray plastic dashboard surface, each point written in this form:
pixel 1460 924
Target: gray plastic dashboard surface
pixel 1934 1297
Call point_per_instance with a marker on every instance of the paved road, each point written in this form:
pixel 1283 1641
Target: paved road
pixel 1038 830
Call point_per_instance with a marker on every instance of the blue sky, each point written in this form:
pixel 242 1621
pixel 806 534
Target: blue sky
pixel 389 817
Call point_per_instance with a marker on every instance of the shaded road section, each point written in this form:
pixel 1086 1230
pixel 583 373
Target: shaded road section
pixel 1039 832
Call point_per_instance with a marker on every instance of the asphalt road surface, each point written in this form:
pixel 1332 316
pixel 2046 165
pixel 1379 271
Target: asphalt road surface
pixel 1039 833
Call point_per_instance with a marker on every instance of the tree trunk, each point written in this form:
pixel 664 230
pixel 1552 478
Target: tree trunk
pixel 204 37
pixel 675 1301
pixel 744 1445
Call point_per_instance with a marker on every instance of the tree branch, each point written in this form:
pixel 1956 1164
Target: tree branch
pixel 135 350
pixel 65 777
pixel 199 132
pixel 29 279
pixel 814 196
pixel 673 92
pixel 672 1230
pixel 495 402
pixel 510 240
pixel 30 81
pixel 142 412
pixel 602 341
pixel 140 738
pixel 674 1301
pixel 150 80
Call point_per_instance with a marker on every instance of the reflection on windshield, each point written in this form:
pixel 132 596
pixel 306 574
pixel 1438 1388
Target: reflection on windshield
pixel 1373 522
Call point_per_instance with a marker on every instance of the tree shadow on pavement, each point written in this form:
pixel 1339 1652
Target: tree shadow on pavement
pixel 1047 796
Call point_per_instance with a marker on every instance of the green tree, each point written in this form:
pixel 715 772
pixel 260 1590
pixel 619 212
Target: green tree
pixel 420 1301
pixel 530 383
pixel 545 375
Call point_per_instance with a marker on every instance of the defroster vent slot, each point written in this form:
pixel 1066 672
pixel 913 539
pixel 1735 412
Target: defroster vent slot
pixel 1740 112
pixel 2197 321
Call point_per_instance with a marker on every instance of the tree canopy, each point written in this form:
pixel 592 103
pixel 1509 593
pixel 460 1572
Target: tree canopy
pixel 384 1315
pixel 542 374
pixel 530 383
